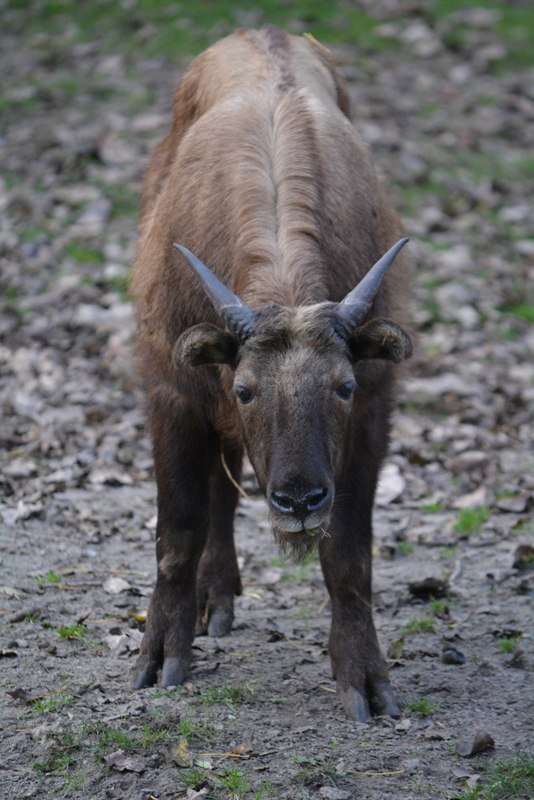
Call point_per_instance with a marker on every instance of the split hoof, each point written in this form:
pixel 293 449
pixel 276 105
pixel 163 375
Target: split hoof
pixel 146 672
pixel 384 702
pixel 220 622
pixel 355 704
pixel 174 671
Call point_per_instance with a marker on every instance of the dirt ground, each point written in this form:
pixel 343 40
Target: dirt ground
pixel 452 133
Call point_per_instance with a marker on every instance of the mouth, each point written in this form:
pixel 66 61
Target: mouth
pixel 313 525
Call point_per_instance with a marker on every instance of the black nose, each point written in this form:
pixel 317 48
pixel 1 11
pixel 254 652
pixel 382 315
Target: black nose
pixel 301 505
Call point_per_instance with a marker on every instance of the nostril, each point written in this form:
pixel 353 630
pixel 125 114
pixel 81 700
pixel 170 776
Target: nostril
pixel 316 499
pixel 282 501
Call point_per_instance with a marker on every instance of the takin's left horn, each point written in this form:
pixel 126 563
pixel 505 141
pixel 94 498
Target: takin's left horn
pixel 355 307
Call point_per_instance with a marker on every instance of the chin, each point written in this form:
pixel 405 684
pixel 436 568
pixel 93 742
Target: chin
pixel 292 538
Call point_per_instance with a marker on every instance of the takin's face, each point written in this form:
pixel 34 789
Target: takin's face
pixel 295 389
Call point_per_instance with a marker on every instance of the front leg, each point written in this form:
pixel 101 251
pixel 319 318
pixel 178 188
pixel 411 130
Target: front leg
pixel 357 663
pixel 184 453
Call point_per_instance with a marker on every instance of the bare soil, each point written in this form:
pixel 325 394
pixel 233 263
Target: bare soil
pixel 259 717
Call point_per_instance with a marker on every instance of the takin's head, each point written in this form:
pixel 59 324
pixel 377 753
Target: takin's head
pixel 295 387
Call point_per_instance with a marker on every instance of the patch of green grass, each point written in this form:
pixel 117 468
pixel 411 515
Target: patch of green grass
pixel 432 508
pixel 228 695
pixel 405 548
pixel 236 781
pixel 524 526
pixel 306 610
pixel 510 779
pixel 195 729
pixel 158 28
pixel 118 738
pixel 449 552
pixel 508 643
pixel 52 702
pixel 515 26
pixel 125 202
pixel 300 571
pixel 265 788
pixel 82 254
pixel 120 284
pixel 420 626
pixel 421 706
pixel 50 577
pixel 440 607
pixel 176 692
pixel 70 632
pixel 413 197
pixel 523 310
pixel 190 778
pixel 503 494
pixel 56 762
pixel 314 769
pixel 470 520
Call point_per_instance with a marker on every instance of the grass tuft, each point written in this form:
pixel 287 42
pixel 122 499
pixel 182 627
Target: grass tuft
pixel 70 632
pixel 420 626
pixel 228 695
pixel 470 520
pixel 50 577
pixel 422 706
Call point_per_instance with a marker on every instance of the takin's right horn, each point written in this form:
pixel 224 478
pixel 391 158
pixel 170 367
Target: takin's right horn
pixel 238 317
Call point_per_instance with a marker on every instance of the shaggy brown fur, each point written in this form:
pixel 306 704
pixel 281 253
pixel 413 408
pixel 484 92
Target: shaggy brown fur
pixel 265 179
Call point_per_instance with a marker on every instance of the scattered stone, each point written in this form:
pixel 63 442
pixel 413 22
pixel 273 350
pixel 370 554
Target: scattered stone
pixel 476 499
pixel 331 793
pixel 468 461
pixel 452 656
pixel 429 587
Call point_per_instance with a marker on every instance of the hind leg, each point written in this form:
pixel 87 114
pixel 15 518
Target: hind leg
pixel 218 578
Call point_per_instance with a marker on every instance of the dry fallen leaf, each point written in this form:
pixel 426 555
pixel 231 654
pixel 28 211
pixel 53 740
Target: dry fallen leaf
pixel 180 754
pixel 124 763
pixel 391 485
pixel 396 648
pixel 524 554
pixel 192 794
pixel 481 742
pixel 115 585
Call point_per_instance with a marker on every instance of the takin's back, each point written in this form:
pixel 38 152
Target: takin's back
pixel 265 179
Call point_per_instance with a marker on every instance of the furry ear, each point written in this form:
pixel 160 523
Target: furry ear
pixel 205 344
pixel 380 338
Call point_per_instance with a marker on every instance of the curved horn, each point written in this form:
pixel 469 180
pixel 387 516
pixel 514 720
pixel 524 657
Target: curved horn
pixel 238 317
pixel 354 308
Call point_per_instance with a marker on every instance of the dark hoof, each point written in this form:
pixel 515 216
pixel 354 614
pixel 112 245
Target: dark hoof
pixel 146 672
pixel 355 704
pixel 384 702
pixel 220 623
pixel 174 671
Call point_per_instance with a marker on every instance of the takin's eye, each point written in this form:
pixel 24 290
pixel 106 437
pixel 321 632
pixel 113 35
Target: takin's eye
pixel 345 390
pixel 243 394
